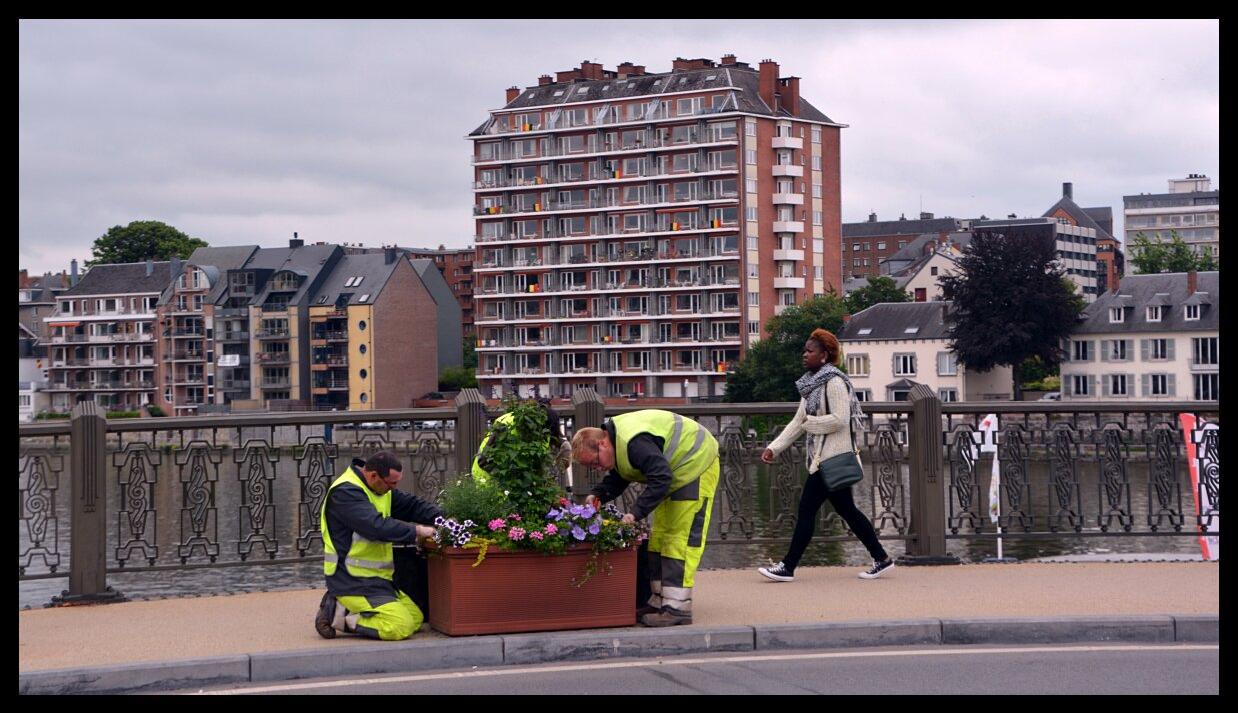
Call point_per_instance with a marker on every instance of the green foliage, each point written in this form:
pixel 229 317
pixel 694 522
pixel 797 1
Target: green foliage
pixel 124 414
pixel 154 410
pixel 466 499
pixel 470 353
pixel 1011 302
pixel 519 459
pixel 455 378
pixel 1049 383
pixel 878 290
pixel 769 369
pixel 141 240
pixel 1034 369
pixel 51 416
pixel 1152 257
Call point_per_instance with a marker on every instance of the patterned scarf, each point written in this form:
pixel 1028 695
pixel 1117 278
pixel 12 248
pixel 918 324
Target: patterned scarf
pixel 810 384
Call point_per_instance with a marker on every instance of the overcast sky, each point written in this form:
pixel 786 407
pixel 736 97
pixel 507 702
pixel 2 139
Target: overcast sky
pixel 242 132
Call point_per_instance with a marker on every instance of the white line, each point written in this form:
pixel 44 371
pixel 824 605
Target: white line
pixel 697 661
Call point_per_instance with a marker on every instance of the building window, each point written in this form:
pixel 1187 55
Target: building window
pixel 816 134
pixel 750 127
pixel 754 328
pixel 754 299
pixel 818 272
pixel 1081 351
pixel 882 246
pixel 1204 350
pixel 904 364
pixel 863 395
pixel 947 364
pixel 1191 313
pixel 1158 385
pixel 752 242
pixel 1158 349
pixel 816 190
pixel 855 247
pixel 1117 350
pixel 1117 385
pixel 816 218
pixel 816 163
pixel 1207 387
pixel 948 395
pixel 818 245
pixel 1154 314
pixel 1081 384
pixel 752 270
pixel 933 271
pixel 750 213
pixel 750 157
pixel 857 364
pixel 1117 315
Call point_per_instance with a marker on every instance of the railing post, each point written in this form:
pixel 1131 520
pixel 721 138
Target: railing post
pixel 589 410
pixel 470 427
pixel 928 488
pixel 88 514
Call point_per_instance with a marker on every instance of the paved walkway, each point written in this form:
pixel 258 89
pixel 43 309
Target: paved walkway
pixel 193 628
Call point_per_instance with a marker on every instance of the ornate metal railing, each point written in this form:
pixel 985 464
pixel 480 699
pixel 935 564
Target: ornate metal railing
pixel 100 497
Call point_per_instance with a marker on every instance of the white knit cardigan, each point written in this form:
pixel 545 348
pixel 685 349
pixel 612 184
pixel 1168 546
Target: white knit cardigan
pixel 835 429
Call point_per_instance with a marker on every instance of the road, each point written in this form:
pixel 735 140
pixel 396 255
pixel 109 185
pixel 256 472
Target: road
pixel 1055 669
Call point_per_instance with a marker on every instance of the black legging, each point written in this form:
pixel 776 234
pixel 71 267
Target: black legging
pixel 811 500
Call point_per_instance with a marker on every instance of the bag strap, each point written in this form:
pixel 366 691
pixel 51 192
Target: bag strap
pixel 850 427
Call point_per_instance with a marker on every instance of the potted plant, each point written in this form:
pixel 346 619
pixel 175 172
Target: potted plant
pixel 514 554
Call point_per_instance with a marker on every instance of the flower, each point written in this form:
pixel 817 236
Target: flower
pixel 552 529
pixel 497 524
pixel 514 516
pixel 595 528
pixel 439 521
pixel 577 510
pixel 587 512
pixel 469 523
pixel 516 533
pixel 536 535
pixel 564 502
pixel 577 532
pixel 553 513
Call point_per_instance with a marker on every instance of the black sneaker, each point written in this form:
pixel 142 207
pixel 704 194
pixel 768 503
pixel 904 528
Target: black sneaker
pixel 878 569
pixel 325 617
pixel 777 572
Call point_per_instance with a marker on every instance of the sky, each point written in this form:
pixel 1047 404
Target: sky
pixel 242 132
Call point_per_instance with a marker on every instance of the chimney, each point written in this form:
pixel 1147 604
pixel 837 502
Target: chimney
pixel 150 267
pixel 590 70
pixel 872 217
pixel 1011 216
pixel 902 216
pixel 568 75
pixel 681 64
pixel 1191 282
pixel 22 280
pixel 627 69
pixel 768 82
pixel 295 242
pixel 728 59
pixel 1068 191
pixel 389 255
pixel 925 216
pixel 73 273
pixel 791 95
pixel 512 93
pixel 544 80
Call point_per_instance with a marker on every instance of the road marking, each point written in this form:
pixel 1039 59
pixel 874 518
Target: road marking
pixel 456 675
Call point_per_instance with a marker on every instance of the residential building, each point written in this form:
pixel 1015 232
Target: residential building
pixel 36 299
pixel 891 347
pixel 456 266
pixel 636 230
pixel 1191 209
pixel 102 345
pixel 1154 337
pixel 866 245
pixel 32 395
pixel 920 279
pixel 1110 264
pixel 447 308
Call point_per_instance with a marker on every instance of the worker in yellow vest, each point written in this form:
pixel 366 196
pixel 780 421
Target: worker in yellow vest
pixel 362 516
pixel 677 459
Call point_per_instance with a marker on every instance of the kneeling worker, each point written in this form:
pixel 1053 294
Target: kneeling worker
pixel 677 459
pixel 361 518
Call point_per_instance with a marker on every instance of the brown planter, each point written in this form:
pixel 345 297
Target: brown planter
pixel 512 592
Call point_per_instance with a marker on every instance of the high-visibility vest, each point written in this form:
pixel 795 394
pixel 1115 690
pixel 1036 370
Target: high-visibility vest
pixel 366 558
pixel 688 446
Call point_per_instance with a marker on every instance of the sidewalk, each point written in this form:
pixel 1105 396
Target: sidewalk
pixel 270 636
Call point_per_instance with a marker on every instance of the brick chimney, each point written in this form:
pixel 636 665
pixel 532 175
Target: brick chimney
pixel 569 75
pixel 296 242
pixel 686 64
pixel 872 217
pixel 512 93
pixel 544 80
pixel 22 280
pixel 728 60
pixel 791 94
pixel 1192 282
pixel 768 82
pixel 590 70
pixel 627 69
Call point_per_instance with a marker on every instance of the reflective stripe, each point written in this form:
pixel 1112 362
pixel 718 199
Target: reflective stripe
pixel 369 564
pixel 330 558
pixel 677 598
pixel 676 433
pixel 696 445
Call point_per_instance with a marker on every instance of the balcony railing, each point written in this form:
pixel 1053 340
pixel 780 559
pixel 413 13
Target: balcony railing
pixel 273 357
pixel 604 174
pixel 335 335
pixel 272 334
pixel 276 384
pixel 556 206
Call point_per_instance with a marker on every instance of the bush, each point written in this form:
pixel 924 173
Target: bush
pixel 466 499
pixel 1049 383
pixel 51 416
pixel 154 410
pixel 124 414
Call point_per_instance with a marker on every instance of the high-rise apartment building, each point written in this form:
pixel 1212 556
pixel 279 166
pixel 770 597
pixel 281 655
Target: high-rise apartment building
pixel 636 230
pixel 1191 209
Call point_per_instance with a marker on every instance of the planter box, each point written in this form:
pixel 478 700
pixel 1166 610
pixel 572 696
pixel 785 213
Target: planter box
pixel 514 592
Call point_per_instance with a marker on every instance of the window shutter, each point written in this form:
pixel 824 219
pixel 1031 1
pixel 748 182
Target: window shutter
pixel 1130 385
pixel 913 365
pixel 1130 350
pixel 894 365
pixel 1104 350
pixel 1104 386
pixel 1068 383
pixel 1169 348
pixel 1171 387
pixel 1144 346
pixel 1091 385
pixel 1146 385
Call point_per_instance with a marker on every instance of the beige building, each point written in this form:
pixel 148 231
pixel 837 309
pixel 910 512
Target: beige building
pixel 1156 337
pixel 891 347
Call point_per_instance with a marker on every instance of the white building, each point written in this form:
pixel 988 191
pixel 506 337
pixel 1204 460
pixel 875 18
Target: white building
pixel 32 397
pixel 1191 209
pixel 1155 338
pixel 891 347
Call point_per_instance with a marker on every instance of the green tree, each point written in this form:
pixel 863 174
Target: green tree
pixel 769 369
pixel 470 353
pixel 879 289
pixel 1174 255
pixel 1011 301
pixel 140 240
pixel 454 378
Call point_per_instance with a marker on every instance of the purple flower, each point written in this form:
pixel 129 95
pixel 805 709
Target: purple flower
pixel 587 512
pixel 577 532
pixel 577 510
pixel 595 529
pixel 554 513
pixel 516 533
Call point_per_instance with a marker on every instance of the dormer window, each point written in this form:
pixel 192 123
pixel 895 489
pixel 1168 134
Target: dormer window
pixel 1154 313
pixel 1191 313
pixel 866 330
pixel 1117 315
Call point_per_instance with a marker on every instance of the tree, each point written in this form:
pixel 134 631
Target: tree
pixel 470 353
pixel 879 289
pixel 141 240
pixel 454 378
pixel 1152 257
pixel 769 370
pixel 1012 302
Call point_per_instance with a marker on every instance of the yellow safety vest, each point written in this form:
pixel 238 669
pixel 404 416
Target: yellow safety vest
pixel 689 447
pixel 366 558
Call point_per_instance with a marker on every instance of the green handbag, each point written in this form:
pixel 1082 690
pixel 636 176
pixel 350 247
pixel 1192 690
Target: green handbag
pixel 843 470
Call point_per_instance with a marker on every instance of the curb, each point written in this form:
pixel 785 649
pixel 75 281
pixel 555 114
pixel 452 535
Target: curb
pixel 525 649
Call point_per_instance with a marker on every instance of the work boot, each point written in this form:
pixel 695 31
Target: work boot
pixel 666 617
pixel 325 619
pixel 645 609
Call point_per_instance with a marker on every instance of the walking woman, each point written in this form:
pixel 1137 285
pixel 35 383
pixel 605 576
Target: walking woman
pixel 827 408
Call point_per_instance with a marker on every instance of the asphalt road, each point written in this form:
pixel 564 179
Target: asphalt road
pixel 1057 669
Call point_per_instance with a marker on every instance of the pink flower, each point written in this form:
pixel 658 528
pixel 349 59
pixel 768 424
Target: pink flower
pixel 514 516
pixel 496 524
pixel 515 533
pixel 564 502
pixel 536 535
pixel 552 529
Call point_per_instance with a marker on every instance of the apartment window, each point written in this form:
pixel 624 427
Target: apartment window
pixel 817 218
pixel 857 364
pixel 1117 315
pixel 818 272
pixel 688 106
pixel 1158 349
pixel 1207 387
pixel 1191 313
pixel 1081 385
pixel 1156 385
pixel 750 127
pixel 750 214
pixel 818 245
pixel 752 242
pixel 947 364
pixel 904 364
pixel 947 395
pixel 754 299
pixel 750 185
pixel 1081 351
pixel 855 247
pixel 1204 350
pixel 754 328
pixel 882 246
pixel 816 190
pixel 1154 314
pixel 752 270
pixel 816 134
pixel 816 163
pixel 1117 385
pixel 1117 350
pixel 750 157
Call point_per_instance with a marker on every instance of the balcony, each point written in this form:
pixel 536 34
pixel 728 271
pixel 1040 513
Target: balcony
pixel 603 176
pixel 788 226
pixel 789 283
pixel 274 306
pixel 595 148
pixel 272 334
pixel 185 332
pixel 787 142
pixel 276 384
pixel 332 384
pixel 235 384
pixel 233 312
pixel 788 254
pixel 333 335
pixel 554 206
pixel 268 358
pixel 332 361
pixel 788 171
pixel 233 336
pixel 788 199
